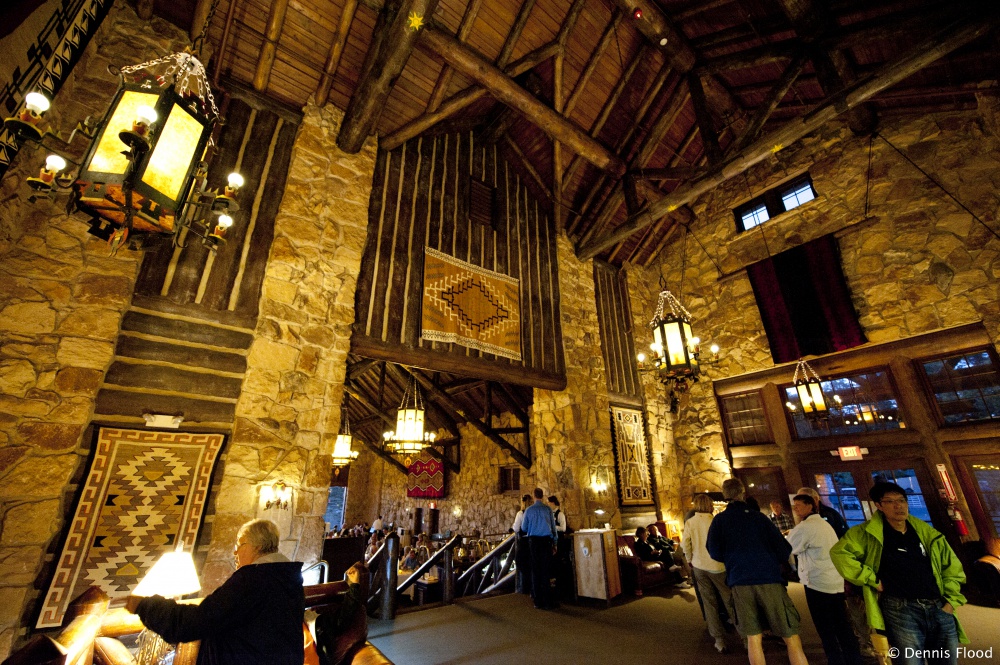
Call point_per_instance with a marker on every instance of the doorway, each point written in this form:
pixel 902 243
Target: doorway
pixel 844 486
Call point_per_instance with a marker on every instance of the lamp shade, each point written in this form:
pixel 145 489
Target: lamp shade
pixel 342 453
pixel 672 343
pixel 811 397
pixel 172 576
pixel 161 171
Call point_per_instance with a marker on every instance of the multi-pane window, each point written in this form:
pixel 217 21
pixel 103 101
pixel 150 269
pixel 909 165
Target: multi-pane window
pixel 755 216
pixel 743 416
pixel 966 387
pixel 985 472
pixel 773 202
pixel 857 404
pixel 797 195
pixel 907 479
pixel 510 479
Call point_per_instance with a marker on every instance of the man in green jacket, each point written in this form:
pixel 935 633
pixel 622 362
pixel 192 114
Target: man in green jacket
pixel 910 576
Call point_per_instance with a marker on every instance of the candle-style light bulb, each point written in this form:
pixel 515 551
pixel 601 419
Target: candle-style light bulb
pixel 55 164
pixel 235 181
pixel 225 221
pixel 714 349
pixel 36 102
pixel 641 357
pixel 146 115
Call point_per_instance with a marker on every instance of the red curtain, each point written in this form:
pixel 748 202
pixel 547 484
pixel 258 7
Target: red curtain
pixel 804 302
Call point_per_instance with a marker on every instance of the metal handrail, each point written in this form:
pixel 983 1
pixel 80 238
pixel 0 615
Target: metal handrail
pixel 427 565
pixel 486 560
pixel 323 566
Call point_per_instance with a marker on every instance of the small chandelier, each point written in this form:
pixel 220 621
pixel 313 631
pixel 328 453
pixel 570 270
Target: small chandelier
pixel 409 438
pixel 342 453
pixel 810 391
pixel 142 177
pixel 278 496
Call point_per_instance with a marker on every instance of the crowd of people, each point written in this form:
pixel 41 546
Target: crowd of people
pixel 903 573
pixel 903 576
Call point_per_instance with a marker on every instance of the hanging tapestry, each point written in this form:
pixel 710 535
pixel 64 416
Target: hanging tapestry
pixel 471 306
pixel 425 479
pixel 145 492
pixel 630 449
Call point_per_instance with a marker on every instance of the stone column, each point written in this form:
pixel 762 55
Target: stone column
pixel 62 298
pixel 571 429
pixel 288 414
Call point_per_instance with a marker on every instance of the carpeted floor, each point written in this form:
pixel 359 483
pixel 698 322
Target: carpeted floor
pixel 659 628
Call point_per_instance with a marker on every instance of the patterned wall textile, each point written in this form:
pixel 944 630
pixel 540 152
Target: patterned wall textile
pixel 426 478
pixel 145 492
pixel 630 448
pixel 49 61
pixel 470 306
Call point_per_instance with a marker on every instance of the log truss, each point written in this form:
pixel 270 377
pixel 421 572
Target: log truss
pixel 593 137
pixel 376 389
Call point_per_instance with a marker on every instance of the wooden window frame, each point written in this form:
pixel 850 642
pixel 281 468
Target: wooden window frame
pixel 763 405
pixel 890 377
pixel 928 389
pixel 477 189
pixel 511 473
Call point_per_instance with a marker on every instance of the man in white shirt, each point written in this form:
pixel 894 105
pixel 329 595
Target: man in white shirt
pixel 377 524
pixel 811 541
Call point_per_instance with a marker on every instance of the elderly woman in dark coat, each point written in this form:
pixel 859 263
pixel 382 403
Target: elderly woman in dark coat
pixel 255 618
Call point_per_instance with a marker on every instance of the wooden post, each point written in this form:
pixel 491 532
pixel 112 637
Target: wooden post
pixel 388 52
pixel 387 608
pixel 336 50
pixel 269 50
pixel 505 90
pixel 709 138
pixel 953 37
pixel 448 580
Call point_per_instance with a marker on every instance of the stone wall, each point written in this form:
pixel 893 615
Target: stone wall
pixel 62 298
pixel 288 413
pixel 571 429
pixel 916 263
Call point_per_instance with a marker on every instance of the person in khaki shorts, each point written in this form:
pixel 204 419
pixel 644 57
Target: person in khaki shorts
pixel 752 549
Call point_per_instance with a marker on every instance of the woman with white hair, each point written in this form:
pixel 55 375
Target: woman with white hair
pixel 255 618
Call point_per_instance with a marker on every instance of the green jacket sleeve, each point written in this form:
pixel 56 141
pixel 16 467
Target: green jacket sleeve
pixel 848 557
pixel 952 575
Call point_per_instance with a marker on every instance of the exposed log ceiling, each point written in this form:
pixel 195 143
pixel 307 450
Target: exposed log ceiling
pixel 376 390
pixel 728 73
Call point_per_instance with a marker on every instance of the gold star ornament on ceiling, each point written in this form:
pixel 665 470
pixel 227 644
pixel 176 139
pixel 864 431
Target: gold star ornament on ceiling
pixel 416 21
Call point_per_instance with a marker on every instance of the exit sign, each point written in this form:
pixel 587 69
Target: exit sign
pixel 848 453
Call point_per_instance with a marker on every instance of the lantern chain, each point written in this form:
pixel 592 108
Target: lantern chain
pixel 805 368
pixel 676 308
pixel 183 67
pixel 199 41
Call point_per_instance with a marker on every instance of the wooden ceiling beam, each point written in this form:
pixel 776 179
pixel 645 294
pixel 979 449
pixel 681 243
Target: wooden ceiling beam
pixel 390 48
pixel 812 22
pixel 670 173
pixel 510 42
pixel 527 166
pixel 268 51
pixel 558 105
pixel 757 56
pixel 591 66
pixel 444 399
pixel 709 137
pixel 444 78
pixel 697 8
pixel 501 87
pixel 356 369
pixel 336 51
pixel 663 35
pixel 774 97
pixel 953 37
pixel 464 99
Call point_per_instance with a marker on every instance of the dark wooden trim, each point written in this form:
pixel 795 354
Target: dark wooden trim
pixel 706 126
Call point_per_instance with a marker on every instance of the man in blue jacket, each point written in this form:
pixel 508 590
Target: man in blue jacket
pixel 540 525
pixel 753 549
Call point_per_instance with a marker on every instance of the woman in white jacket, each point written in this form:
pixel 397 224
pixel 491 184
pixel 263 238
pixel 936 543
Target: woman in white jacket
pixel 709 575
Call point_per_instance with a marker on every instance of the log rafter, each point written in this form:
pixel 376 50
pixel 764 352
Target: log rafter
pixel 953 37
pixel 336 51
pixel 268 51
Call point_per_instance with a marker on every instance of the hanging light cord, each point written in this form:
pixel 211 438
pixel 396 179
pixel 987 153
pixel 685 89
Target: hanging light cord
pixel 868 178
pixel 939 186
pixel 199 42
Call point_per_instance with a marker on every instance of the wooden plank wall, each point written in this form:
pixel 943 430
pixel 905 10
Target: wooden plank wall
pixel 256 141
pixel 614 314
pixel 420 197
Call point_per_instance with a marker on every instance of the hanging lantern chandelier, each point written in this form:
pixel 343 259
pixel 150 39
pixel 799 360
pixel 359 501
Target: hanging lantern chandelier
pixel 342 452
pixel 142 178
pixel 809 388
pixel 409 437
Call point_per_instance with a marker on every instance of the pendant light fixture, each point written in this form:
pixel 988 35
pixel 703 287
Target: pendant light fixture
pixel 342 447
pixel 409 437
pixel 810 392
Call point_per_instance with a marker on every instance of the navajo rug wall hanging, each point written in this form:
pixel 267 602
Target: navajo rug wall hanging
pixel 471 306
pixel 144 493
pixel 425 479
